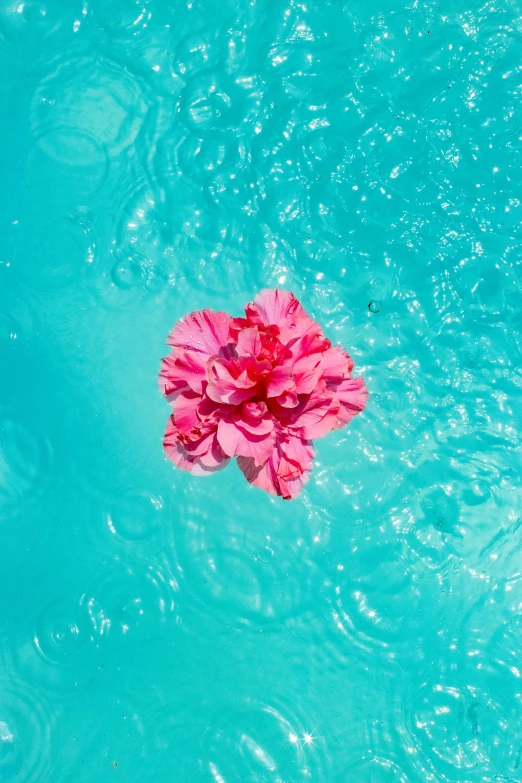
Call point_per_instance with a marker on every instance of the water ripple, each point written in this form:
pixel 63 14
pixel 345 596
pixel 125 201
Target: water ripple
pixel 26 723
pixel 374 769
pixel 109 110
pixel 25 462
pixel 39 25
pixel 381 609
pixel 135 515
pixel 240 572
pixel 166 157
pixel 64 255
pixel 123 598
pixel 261 743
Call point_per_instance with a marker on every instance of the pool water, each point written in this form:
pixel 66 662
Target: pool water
pixel 159 157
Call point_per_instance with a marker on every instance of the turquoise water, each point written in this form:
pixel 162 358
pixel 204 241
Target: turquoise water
pixel 159 157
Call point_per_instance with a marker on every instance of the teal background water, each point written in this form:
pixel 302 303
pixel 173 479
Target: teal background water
pixel 159 157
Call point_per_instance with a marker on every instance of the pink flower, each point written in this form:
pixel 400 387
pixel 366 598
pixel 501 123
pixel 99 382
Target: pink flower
pixel 258 388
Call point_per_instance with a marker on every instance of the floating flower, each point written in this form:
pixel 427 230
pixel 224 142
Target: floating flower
pixel 259 388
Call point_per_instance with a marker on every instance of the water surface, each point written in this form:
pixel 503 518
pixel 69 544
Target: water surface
pixel 159 157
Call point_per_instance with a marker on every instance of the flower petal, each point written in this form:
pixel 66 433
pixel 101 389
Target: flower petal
pixel 192 368
pixel 170 380
pixel 185 411
pixel 254 417
pixel 288 399
pixel 249 343
pixel 336 365
pixel 262 476
pixel 208 461
pixel 197 337
pixel 298 451
pixel 227 384
pixel 279 380
pixel 326 424
pixel 238 442
pixel 203 331
pixel 353 396
pixel 285 472
pixel 274 305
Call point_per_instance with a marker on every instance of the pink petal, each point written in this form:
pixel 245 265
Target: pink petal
pixel 192 368
pixel 210 460
pixel 264 476
pixel 291 489
pixel 249 343
pixel 207 450
pixel 280 380
pixel 274 305
pixel 170 380
pixel 311 410
pixel 336 365
pixel 298 450
pixel 238 442
pixel 306 381
pixel 325 425
pixel 287 399
pixel 353 396
pixel 254 410
pixel 227 387
pixel 197 337
pixel 185 411
pixel 310 345
pixel 253 316
pixel 205 332
pixel 291 328
pixel 285 472
pixel 210 411
pixel 307 352
pixel 254 417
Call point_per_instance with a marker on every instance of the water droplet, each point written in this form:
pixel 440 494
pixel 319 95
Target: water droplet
pixel 292 326
pixel 82 217
pixel 374 306
pixel 439 523
pixel 264 555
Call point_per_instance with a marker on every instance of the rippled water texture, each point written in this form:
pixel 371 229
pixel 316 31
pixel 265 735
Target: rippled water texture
pixel 159 157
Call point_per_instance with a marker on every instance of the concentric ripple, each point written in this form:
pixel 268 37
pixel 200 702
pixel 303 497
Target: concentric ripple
pixel 124 18
pixel 106 115
pixel 463 730
pixel 26 722
pixel 381 608
pixel 375 769
pixel 123 599
pixel 61 644
pixel 260 742
pixel 143 252
pixel 39 25
pixel 63 257
pixel 25 462
pixel 136 516
pixel 241 572
pixel 216 101
pixel 75 162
